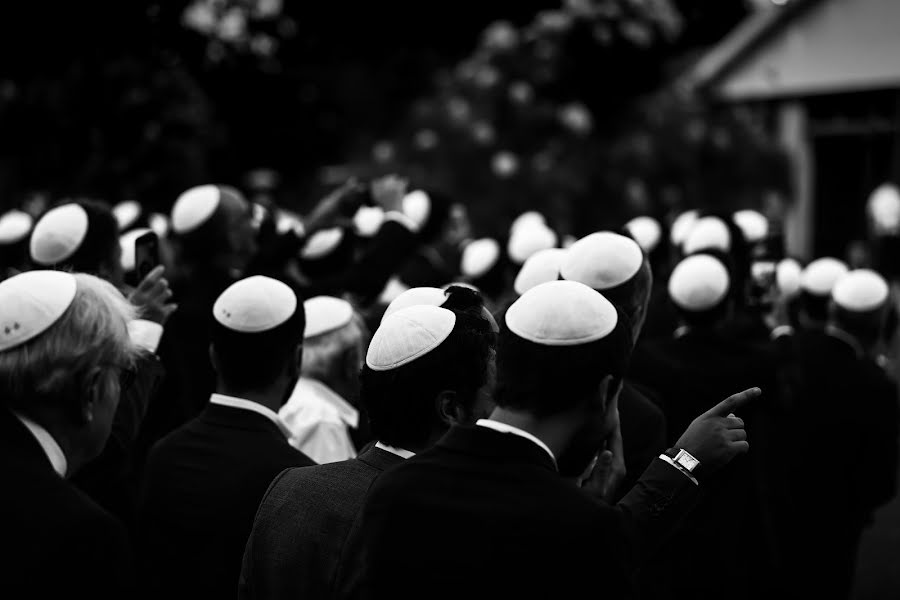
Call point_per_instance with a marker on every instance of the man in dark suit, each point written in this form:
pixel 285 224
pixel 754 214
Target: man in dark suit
pixel 64 347
pixel 303 543
pixel 204 481
pixel 495 510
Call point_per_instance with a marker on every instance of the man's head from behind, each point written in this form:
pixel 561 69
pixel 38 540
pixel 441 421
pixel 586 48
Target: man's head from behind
pixel 816 283
pixel 858 302
pixel 700 287
pixel 334 344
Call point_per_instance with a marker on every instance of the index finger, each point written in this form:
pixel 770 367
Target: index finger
pixel 152 277
pixel 732 403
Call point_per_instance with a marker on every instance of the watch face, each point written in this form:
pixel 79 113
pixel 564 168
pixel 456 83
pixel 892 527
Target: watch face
pixel 686 460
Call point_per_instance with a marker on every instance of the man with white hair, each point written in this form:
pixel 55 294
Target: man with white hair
pixel 65 360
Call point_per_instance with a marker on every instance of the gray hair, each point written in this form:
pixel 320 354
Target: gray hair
pixel 50 368
pixel 323 353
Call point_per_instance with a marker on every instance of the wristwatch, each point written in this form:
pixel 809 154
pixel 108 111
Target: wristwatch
pixel 685 461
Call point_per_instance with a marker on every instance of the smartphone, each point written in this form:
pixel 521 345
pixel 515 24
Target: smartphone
pixel 146 256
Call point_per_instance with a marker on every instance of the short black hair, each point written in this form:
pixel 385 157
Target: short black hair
pixel 401 402
pixel 100 243
pixel 546 380
pixel 630 295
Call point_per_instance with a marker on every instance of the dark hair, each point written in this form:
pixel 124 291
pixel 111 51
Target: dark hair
pixel 401 402
pixel 630 295
pixel 547 380
pixel 98 248
pixel 438 216
pixel 209 239
pixel 332 263
pixel 815 306
pixel 867 326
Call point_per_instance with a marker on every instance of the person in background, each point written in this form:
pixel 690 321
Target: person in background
pixel 816 282
pixel 15 227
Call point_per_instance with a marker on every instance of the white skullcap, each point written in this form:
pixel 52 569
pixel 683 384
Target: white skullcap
pixel 528 239
pixel 417 206
pixel 602 260
pixel 819 276
pixel 159 224
pixel 126 213
pixel 367 220
pixel 561 313
pixel 58 234
pixel 860 290
pixel 287 222
pixel 31 302
pixel 194 207
pixel 681 226
pixel 541 267
pixel 322 243
pixel 699 283
pixel 708 233
pixel 646 231
pixel 392 289
pixel 325 314
pixel 14 226
pixel 416 296
pixel 527 219
pixel 126 243
pixel 787 277
pixel 754 225
pixel 408 334
pixel 884 208
pixel 479 257
pixel 255 304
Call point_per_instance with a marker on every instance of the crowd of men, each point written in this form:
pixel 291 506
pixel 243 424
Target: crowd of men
pixel 369 402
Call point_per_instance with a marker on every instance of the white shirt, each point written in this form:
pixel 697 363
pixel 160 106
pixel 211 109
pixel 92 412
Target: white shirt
pixel 232 402
pixel 504 428
pixel 48 444
pixel 319 421
pixel 145 334
pixel 398 451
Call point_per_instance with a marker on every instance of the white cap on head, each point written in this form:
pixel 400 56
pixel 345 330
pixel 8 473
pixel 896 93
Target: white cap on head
pixel 416 296
pixel 884 208
pixel 367 220
pixel 30 303
pixel 860 290
pixel 126 243
pixel 646 231
pixel 479 257
pixel 561 313
pixel 408 334
pixel 541 267
pixel 15 226
pixel 754 225
pixel 126 213
pixel 787 277
pixel 392 289
pixel 194 207
pixel 159 223
pixel 325 314
pixel 255 304
pixel 58 234
pixel 708 233
pixel 527 219
pixel 602 260
pixel 286 221
pixel 417 206
pixel 699 283
pixel 819 276
pixel 322 243
pixel 681 226
pixel 528 239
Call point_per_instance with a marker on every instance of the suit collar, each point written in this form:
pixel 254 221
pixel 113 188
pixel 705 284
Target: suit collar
pixel 238 418
pixel 379 459
pixel 489 443
pixel 250 406
pixel 20 444
pixel 54 453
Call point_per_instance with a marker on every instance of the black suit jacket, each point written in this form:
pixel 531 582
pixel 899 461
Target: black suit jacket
pixel 485 514
pixel 58 542
pixel 202 487
pixel 302 543
pixel 643 433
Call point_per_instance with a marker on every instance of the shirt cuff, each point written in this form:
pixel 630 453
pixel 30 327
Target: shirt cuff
pixel 145 334
pixel 680 470
pixel 401 218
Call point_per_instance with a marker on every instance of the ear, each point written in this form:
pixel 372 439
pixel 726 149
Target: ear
pixel 607 397
pixel 449 409
pixel 90 395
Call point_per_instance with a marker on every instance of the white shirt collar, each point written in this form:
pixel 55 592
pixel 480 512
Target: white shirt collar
pixel 347 413
pixel 240 403
pixel 398 451
pixel 48 444
pixel 504 428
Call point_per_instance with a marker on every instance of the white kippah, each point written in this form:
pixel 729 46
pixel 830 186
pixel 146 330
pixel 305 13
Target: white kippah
pixel 58 234
pixel 126 213
pixel 322 243
pixel 126 243
pixel 884 208
pixel 681 226
pixel 541 267
pixel 159 224
pixel 527 219
pixel 708 233
pixel 255 304
pixel 31 302
pixel 416 296
pixel 561 313
pixel 479 257
pixel 194 207
pixel 699 283
pixel 417 206
pixel 286 221
pixel 787 277
pixel 325 314
pixel 602 260
pixel 14 226
pixel 860 291
pixel 527 239
pixel 392 289
pixel 367 220
pixel 408 334
pixel 819 276
pixel 646 231
pixel 754 225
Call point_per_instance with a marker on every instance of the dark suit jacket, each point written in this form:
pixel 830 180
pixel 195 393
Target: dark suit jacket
pixel 301 543
pixel 643 433
pixel 59 543
pixel 485 514
pixel 202 487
